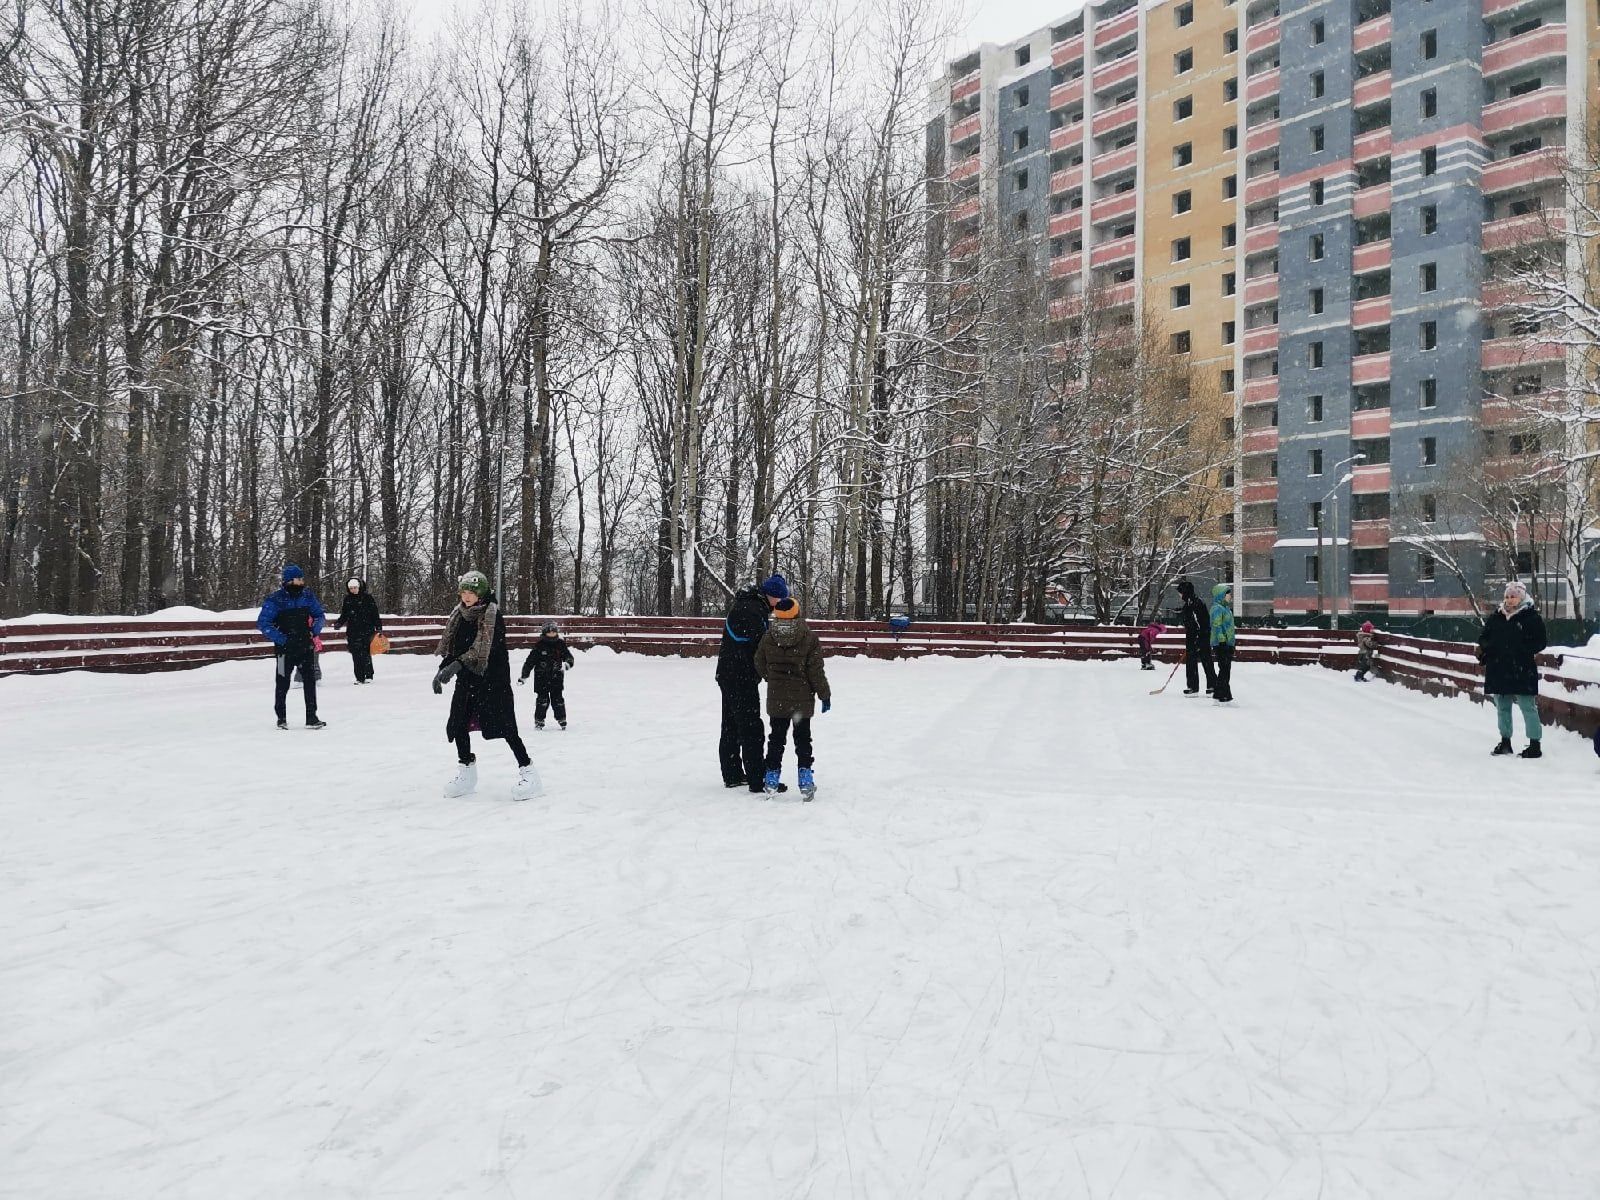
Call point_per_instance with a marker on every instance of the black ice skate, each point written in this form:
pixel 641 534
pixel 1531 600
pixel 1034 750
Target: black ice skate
pixel 1503 746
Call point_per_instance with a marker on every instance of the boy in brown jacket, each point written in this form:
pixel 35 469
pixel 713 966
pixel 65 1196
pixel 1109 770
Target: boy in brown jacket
pixel 789 658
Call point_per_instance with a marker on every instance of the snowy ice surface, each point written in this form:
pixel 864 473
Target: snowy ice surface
pixel 1042 934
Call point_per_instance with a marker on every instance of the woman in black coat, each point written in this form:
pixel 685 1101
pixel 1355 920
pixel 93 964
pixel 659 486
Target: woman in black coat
pixel 360 613
pixel 1511 638
pixel 474 654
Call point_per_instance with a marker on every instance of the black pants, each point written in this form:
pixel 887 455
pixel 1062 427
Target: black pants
pixel 1224 654
pixel 1195 656
pixel 552 696
pixel 464 749
pixel 361 654
pixel 780 737
pixel 739 749
pixel 286 664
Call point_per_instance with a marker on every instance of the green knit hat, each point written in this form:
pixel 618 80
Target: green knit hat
pixel 475 582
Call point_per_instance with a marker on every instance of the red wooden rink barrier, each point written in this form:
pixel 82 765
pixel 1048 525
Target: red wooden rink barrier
pixel 1569 697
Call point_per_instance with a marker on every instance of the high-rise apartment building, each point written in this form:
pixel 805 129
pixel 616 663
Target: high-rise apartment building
pixel 1318 198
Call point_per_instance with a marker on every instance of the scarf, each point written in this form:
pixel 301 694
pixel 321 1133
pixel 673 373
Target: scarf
pixel 476 656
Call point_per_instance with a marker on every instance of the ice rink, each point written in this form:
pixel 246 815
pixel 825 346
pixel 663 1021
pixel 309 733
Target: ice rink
pixel 1041 935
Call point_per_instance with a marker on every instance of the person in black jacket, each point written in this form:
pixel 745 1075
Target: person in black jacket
pixel 1511 638
pixel 740 749
pixel 473 653
pixel 360 613
pixel 1196 620
pixel 548 662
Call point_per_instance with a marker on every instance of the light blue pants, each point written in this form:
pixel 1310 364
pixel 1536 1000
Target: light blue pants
pixel 1530 715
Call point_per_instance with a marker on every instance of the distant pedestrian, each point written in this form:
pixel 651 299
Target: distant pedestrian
pixel 1147 642
pixel 739 748
pixel 473 653
pixel 789 658
pixel 1196 640
pixel 360 612
pixel 1222 640
pixel 291 618
pixel 1508 647
pixel 1366 650
pixel 548 662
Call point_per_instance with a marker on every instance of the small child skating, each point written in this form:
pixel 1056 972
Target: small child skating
pixel 548 662
pixel 1366 650
pixel 1147 643
pixel 1223 641
pixel 789 658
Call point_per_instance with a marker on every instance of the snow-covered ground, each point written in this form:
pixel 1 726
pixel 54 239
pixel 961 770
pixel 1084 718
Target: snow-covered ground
pixel 1041 935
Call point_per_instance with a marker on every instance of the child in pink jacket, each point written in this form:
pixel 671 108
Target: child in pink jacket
pixel 1147 641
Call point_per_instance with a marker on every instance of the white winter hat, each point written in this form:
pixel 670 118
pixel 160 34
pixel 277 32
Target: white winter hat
pixel 355 583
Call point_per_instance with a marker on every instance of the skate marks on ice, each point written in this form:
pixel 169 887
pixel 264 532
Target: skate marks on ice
pixel 1045 935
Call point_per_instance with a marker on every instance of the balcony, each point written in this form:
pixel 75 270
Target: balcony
pixel 1262 86
pixel 1373 88
pixel 1066 179
pixel 1370 481
pixel 1116 295
pixel 1261 391
pixel 1263 36
pixel 1065 53
pixel 964 248
pixel 1114 162
pixel 1498 8
pixel 1262 187
pixel 1370 423
pixel 1374 256
pixel 1259 441
pixel 1260 341
pixel 1259 541
pixel 1369 35
pixel 1067 265
pixel 1369 535
pixel 1121 70
pixel 967 168
pixel 1364 313
pixel 1062 224
pixel 1369 368
pixel 1119 26
pixel 1114 208
pixel 1530 229
pixel 1369 202
pixel 1546 105
pixel 1260 290
pixel 1114 251
pixel 1260 240
pixel 967 210
pixel 1546 43
pixel 967 127
pixel 967 85
pixel 1263 492
pixel 1374 144
pixel 1263 137
pixel 1500 296
pixel 1507 354
pixel 1525 170
pixel 1116 117
pixel 1067 93
pixel 1369 589
pixel 1066 137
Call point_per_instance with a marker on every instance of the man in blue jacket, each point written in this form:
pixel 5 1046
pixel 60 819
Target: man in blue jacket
pixel 741 748
pixel 291 618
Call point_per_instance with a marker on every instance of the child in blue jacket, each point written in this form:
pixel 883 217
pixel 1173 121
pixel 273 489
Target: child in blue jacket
pixel 1222 641
pixel 291 618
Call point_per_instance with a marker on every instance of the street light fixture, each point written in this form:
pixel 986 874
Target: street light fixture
pixel 1333 493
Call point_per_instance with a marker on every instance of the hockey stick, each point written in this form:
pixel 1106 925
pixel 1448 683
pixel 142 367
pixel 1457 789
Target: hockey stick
pixel 1163 687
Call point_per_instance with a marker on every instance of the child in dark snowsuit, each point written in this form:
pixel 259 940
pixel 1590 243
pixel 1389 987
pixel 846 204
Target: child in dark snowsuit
pixel 1366 650
pixel 789 658
pixel 548 662
pixel 1147 642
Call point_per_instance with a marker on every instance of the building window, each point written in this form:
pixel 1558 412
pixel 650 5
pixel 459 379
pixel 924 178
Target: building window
pixel 1024 55
pixel 1230 90
pixel 1428 393
pixel 1316 301
pixel 1314 356
pixel 1319 32
pixel 1318 247
pixel 1022 97
pixel 1429 506
pixel 1430 219
pixel 1183 154
pixel 1430 277
pixel 1425 567
pixel 1428 337
pixel 1180 296
pixel 1430 43
pixel 1314 408
pixel 1230 187
pixel 1019 140
pixel 1183 108
pixel 1226 522
pixel 1022 181
pixel 1230 41
pixel 1314 463
pixel 1226 425
pixel 1184 14
pixel 1228 333
pixel 1182 202
pixel 1181 342
pixel 1183 62
pixel 1318 191
pixel 1430 160
pixel 1181 249
pixel 1318 84
pixel 1318 139
pixel 1230 137
pixel 1227 381
pixel 1230 283
pixel 1430 452
pixel 1230 234
pixel 1430 102
pixel 1311 568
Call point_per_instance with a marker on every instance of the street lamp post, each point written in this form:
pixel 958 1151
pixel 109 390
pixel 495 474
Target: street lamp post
pixel 1333 494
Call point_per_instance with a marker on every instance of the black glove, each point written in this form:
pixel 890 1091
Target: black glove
pixel 446 673
pixel 521 679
